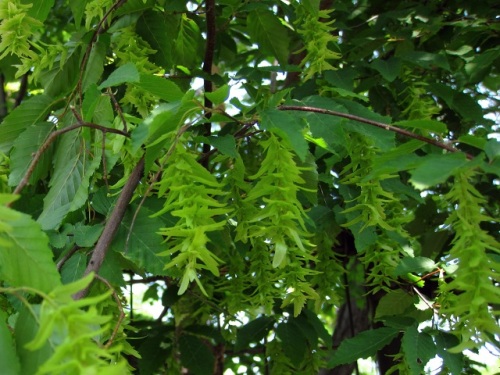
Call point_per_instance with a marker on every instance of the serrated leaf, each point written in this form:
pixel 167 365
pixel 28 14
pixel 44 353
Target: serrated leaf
pixel 414 265
pixel 453 361
pixel 431 125
pixel 363 345
pixel 160 87
pixel 95 65
pixel 218 96
pixel 25 146
pixel 196 356
pixel 389 69
pixel 265 28
pixel 9 361
pixel 395 302
pixel 292 341
pixel 70 181
pixel 226 144
pixel 287 126
pixel 160 32
pixel 426 60
pixel 187 43
pixel 436 169
pixel 318 325
pixel 25 255
pixel 87 235
pixel 62 77
pixel 492 149
pixel 30 112
pixel 253 331
pixel 419 348
pixel 40 9
pixel 144 244
pixel 77 8
pixel 74 268
pixel 124 74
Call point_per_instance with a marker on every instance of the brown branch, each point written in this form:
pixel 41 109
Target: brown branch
pixel 207 68
pixel 112 224
pixel 66 257
pixel 51 138
pixel 377 124
pixel 3 97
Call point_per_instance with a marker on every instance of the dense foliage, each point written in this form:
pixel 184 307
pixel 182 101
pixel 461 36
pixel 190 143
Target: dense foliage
pixel 272 171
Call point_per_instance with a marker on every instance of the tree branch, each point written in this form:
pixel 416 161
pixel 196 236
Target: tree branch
pixel 381 125
pixel 207 68
pixel 112 224
pixel 51 138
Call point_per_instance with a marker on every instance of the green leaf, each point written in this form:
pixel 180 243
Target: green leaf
pixel 363 345
pixel 123 74
pixel 431 125
pixel 9 362
pixel 95 64
pixel 218 96
pixel 160 32
pixel 25 255
pixel 226 144
pixel 160 87
pixel 389 69
pixel 254 331
pixel 287 126
pixel 419 349
pixel 63 76
pixel 395 302
pixel 492 149
pixel 453 361
pixel 30 112
pixel 267 31
pixel 414 265
pixel 187 43
pixel 24 148
pixel 144 244
pixel 426 60
pixel 87 235
pixel 292 341
pixel 74 268
pixel 69 184
pixel 196 356
pixel 78 9
pixel 25 330
pixel 436 169
pixel 40 9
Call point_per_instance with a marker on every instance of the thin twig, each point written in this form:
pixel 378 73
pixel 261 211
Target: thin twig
pixel 378 124
pixel 66 256
pixel 112 224
pixel 207 68
pixel 118 109
pixel 120 308
pixel 51 138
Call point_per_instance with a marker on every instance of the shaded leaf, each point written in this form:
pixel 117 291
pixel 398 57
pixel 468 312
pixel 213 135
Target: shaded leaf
pixel 419 349
pixel 24 148
pixel 30 112
pixel 268 32
pixel 453 361
pixel 195 355
pixel 395 302
pixel 389 69
pixel 95 65
pixel 292 341
pixel 363 345
pixel 253 331
pixel 431 125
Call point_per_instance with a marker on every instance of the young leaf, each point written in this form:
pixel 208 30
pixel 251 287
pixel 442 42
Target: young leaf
pixel 363 345
pixel 9 361
pixel 436 169
pixel 160 87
